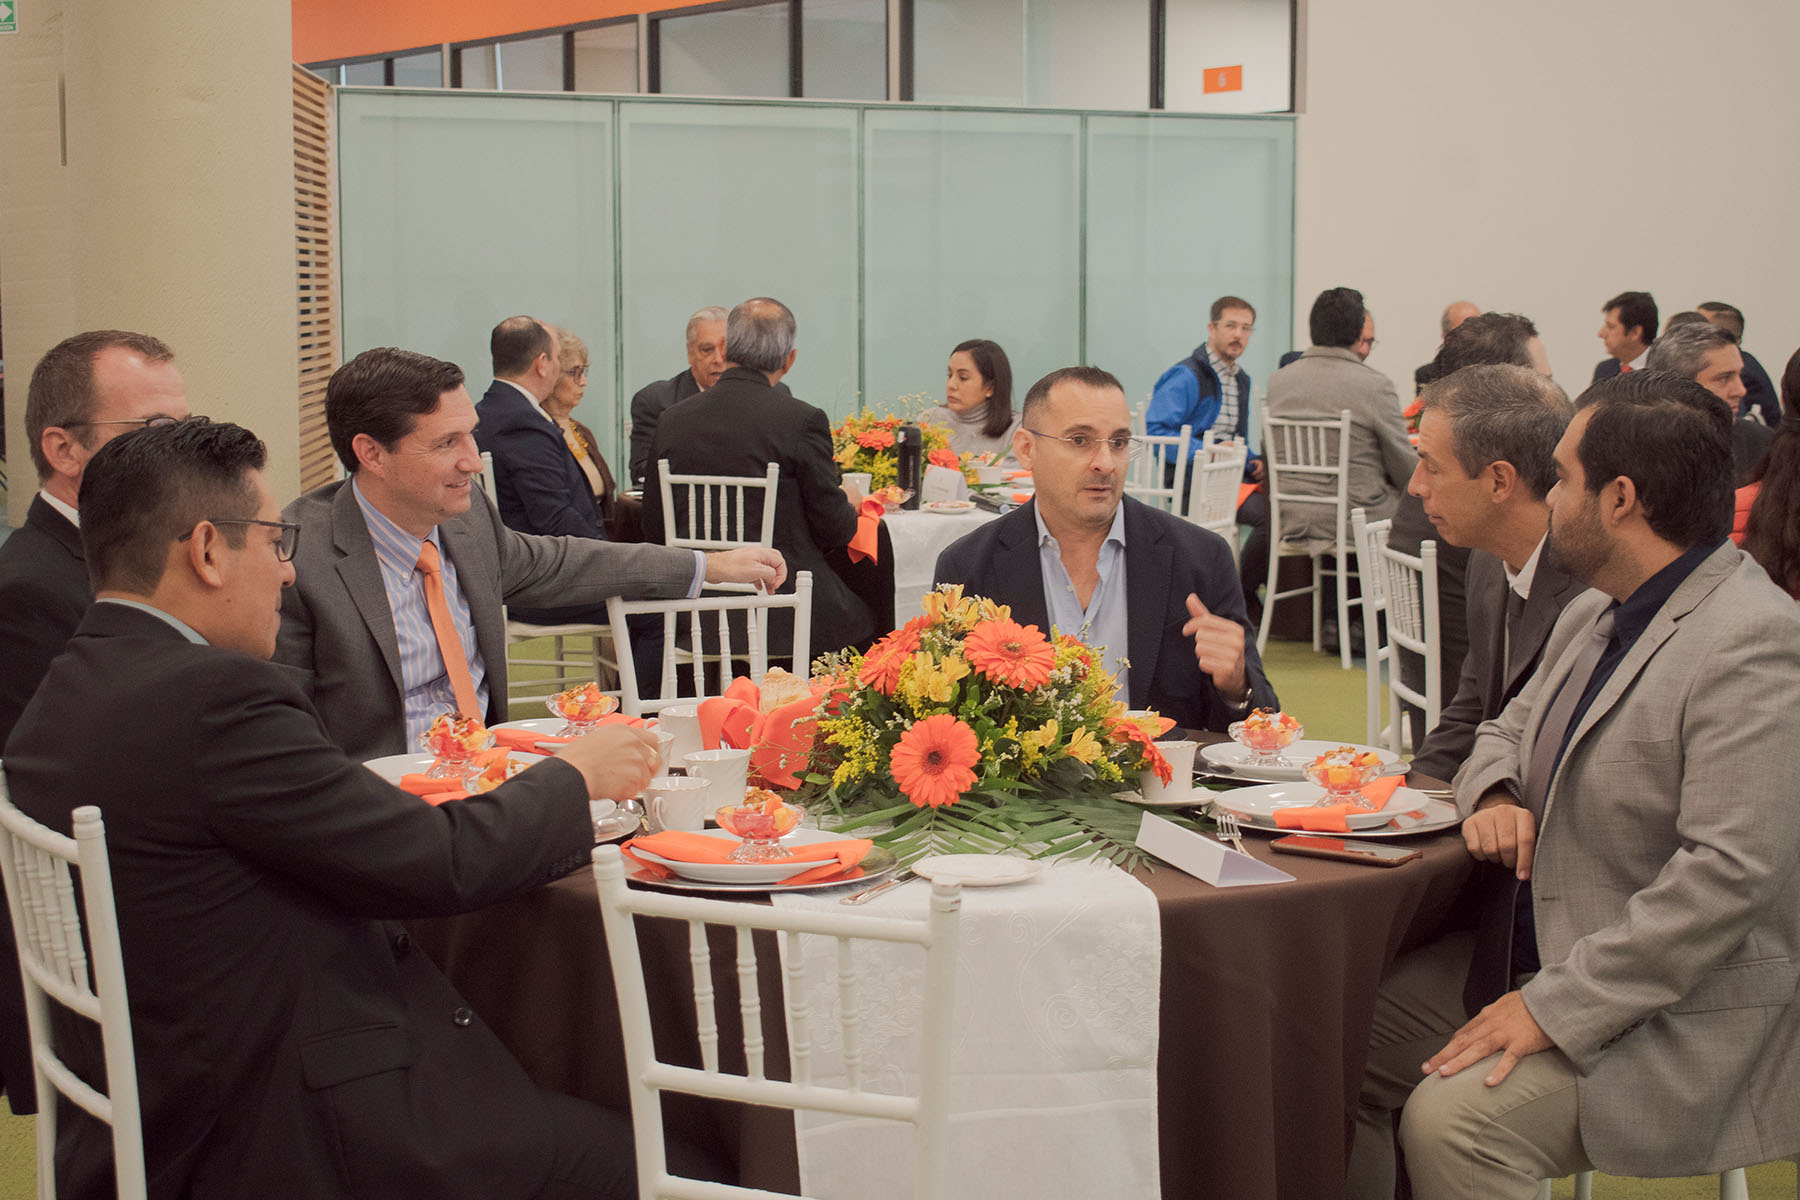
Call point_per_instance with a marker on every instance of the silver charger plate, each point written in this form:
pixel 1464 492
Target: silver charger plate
pixel 877 864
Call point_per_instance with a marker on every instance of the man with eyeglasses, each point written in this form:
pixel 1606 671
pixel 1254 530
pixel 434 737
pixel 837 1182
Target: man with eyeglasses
pixel 290 1039
pixel 1158 593
pixel 538 485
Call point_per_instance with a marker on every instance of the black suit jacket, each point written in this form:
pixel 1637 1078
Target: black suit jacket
pixel 290 1040
pixel 646 413
pixel 1759 392
pixel 1165 559
pixel 1606 368
pixel 538 484
pixel 1486 685
pixel 738 427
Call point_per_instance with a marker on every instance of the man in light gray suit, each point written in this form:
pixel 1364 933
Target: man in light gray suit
pixel 409 525
pixel 1637 1008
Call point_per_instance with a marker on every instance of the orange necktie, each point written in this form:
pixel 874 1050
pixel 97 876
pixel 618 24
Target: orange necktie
pixel 456 663
pixel 1627 369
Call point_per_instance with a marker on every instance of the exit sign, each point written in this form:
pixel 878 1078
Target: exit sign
pixel 9 16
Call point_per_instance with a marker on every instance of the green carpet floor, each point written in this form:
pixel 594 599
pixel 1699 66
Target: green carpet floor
pixel 1329 701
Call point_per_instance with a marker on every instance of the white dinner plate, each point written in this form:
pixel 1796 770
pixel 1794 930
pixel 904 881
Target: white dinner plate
pixel 1229 758
pixel 948 506
pixel 879 862
pixel 548 726
pixel 1255 807
pixel 977 870
pixel 745 873
pixel 392 767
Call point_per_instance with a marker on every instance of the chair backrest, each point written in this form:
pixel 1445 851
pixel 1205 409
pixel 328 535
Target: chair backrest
pixel 706 637
pixel 714 513
pixel 926 1108
pixel 1371 539
pixel 55 967
pixel 1213 494
pixel 1158 473
pixel 1308 465
pixel 1405 587
pixel 487 478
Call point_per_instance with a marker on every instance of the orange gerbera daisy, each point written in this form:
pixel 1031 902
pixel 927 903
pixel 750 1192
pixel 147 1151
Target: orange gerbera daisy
pixel 933 762
pixel 881 665
pixel 944 458
pixel 1007 652
pixel 1131 731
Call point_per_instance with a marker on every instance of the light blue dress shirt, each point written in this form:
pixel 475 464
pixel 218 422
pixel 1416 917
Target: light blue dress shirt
pixel 1105 622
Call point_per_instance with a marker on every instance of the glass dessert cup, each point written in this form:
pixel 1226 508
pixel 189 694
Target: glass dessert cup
pixel 1266 735
pixel 1343 776
pixel 581 707
pixel 454 740
pixel 761 826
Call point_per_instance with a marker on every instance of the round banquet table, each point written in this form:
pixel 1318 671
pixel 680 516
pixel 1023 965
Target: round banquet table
pixel 1267 999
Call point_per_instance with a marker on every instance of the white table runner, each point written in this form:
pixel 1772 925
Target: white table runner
pixel 1053 1090
pixel 918 538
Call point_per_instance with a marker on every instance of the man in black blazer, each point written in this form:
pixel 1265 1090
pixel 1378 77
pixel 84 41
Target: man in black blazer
pixel 1487 440
pixel 538 486
pixel 289 1039
pixel 86 391
pixel 1628 325
pixel 706 361
pixel 1148 586
pixel 741 425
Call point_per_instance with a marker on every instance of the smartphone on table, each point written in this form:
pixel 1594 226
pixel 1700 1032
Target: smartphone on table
pixel 1375 854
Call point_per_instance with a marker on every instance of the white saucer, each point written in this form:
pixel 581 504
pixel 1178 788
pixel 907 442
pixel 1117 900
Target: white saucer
pixel 977 870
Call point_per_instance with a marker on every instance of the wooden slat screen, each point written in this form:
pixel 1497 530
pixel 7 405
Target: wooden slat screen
pixel 315 239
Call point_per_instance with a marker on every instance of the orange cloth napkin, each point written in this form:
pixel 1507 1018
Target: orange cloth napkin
pixel 1164 724
pixel 1022 497
pixel 778 741
pixel 1012 476
pixel 432 791
pixel 867 538
pixel 684 846
pixel 730 715
pixel 1331 819
pixel 1244 490
pixel 525 741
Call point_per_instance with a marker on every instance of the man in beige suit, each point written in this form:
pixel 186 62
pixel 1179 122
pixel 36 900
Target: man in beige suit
pixel 1639 987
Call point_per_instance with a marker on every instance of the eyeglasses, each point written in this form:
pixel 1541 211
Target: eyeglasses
pixel 1087 443
pixel 577 373
pixel 140 422
pixel 284 545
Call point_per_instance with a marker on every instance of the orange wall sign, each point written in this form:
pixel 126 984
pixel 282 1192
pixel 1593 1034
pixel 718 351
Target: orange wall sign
pixel 1224 79
pixel 331 29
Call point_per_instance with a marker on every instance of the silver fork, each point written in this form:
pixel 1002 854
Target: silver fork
pixel 1229 829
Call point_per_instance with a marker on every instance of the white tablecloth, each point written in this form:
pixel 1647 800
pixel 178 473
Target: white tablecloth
pixel 918 538
pixel 1053 1089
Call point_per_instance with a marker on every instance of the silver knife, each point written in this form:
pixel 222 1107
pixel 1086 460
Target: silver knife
pixel 892 881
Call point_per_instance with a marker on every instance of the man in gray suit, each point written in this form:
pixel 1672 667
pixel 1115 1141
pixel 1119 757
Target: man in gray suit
pixel 375 548
pixel 1487 438
pixel 1637 1010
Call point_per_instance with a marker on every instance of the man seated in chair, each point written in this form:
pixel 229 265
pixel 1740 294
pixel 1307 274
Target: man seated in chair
pixel 1160 594
pixel 404 565
pixel 290 1041
pixel 1628 1001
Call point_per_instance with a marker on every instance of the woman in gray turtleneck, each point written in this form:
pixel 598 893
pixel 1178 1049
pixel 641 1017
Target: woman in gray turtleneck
pixel 977 406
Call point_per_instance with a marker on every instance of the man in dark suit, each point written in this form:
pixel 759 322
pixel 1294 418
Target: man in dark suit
pixel 86 391
pixel 289 1040
pixel 1760 399
pixel 1708 354
pixel 538 485
pixel 357 625
pixel 706 361
pixel 741 425
pixel 1149 587
pixel 1487 438
pixel 1627 328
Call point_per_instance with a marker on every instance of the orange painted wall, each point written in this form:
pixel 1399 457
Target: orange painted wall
pixel 331 29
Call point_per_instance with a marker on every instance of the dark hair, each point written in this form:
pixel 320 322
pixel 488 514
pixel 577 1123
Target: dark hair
pixel 148 487
pixel 62 385
pixel 1690 317
pixel 1684 345
pixel 1772 535
pixel 1637 310
pixel 759 334
pixel 1039 395
pixel 991 364
pixel 383 393
pixel 1672 439
pixel 1224 302
pixel 1337 318
pixel 1503 413
pixel 516 343
pixel 1486 339
pixel 1726 316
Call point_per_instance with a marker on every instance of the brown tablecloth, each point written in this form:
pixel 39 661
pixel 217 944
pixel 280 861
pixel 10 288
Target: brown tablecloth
pixel 1267 998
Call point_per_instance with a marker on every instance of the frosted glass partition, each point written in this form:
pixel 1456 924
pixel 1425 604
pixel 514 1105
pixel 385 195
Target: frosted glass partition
pixel 1179 213
pixel 722 202
pixel 893 231
pixel 972 229
pixel 459 209
pixel 726 52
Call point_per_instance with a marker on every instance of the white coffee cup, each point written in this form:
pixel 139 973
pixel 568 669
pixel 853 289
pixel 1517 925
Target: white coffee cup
pixel 990 475
pixel 862 481
pixel 678 801
pixel 1180 753
pixel 729 771
pixel 682 720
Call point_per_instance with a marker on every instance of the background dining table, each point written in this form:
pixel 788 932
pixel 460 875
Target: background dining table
pixel 1267 1000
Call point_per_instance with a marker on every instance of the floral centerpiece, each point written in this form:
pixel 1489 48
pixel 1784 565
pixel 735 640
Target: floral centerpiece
pixel 964 731
pixel 864 441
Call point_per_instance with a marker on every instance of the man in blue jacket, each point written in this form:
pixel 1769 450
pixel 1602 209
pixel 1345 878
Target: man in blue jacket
pixel 1208 390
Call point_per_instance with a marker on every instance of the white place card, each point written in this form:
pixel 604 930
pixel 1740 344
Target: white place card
pixel 942 483
pixel 1206 860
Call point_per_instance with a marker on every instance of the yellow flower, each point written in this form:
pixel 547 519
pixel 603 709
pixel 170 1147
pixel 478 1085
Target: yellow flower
pixel 1032 745
pixel 1084 747
pixel 987 610
pixel 936 682
pixel 943 602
